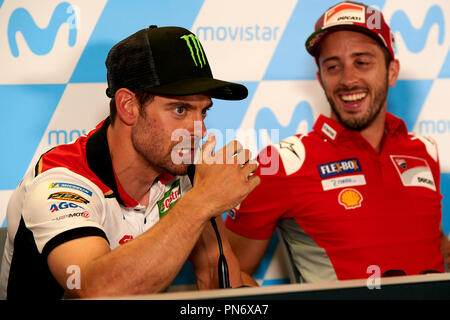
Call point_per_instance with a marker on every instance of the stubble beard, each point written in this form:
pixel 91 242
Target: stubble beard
pixel 361 123
pixel 150 143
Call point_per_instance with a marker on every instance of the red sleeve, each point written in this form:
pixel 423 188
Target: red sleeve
pixel 258 214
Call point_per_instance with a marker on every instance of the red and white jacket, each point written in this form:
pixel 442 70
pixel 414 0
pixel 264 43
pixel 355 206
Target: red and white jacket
pixel 73 192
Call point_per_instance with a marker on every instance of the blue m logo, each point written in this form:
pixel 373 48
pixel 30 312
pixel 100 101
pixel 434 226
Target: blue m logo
pixel 266 119
pixel 41 41
pixel 415 39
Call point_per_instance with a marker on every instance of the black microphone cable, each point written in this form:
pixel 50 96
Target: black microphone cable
pixel 224 279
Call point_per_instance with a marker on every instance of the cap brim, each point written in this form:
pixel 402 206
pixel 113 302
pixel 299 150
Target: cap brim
pixel 218 89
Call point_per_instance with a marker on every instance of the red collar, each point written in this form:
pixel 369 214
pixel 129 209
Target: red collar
pixel 332 130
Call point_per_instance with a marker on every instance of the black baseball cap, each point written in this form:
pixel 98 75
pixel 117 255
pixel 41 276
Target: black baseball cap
pixel 167 61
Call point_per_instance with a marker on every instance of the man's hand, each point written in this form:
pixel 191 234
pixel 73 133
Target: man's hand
pixel 223 180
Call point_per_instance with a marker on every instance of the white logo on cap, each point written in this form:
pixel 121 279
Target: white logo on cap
pixel 345 13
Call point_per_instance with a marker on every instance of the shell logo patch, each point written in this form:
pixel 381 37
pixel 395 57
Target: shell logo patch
pixel 350 198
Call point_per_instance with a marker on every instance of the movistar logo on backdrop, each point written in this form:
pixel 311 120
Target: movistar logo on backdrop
pixel 195 49
pixel 416 38
pixel 41 40
pixel 266 119
pixel 238 33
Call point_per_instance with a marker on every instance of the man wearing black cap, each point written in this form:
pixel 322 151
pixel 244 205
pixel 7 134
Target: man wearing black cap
pixel 358 194
pixel 114 212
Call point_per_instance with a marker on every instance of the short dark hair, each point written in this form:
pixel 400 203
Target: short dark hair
pixel 142 98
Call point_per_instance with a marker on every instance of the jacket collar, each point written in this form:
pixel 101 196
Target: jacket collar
pixel 333 130
pixel 99 161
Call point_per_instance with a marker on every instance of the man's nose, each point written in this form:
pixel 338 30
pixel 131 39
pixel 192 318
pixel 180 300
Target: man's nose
pixel 198 127
pixel 348 76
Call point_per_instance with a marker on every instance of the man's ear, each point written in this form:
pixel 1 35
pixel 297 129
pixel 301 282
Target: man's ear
pixel 319 78
pixel 127 106
pixel 393 72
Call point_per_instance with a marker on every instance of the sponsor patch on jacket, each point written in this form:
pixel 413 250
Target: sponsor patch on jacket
pixel 70 186
pixel 83 214
pixel 67 196
pixel 126 238
pixel 63 206
pixel 343 182
pixel 350 198
pixel 414 172
pixel 169 198
pixel 340 167
pixel 329 131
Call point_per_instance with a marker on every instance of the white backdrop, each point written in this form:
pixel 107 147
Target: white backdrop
pixel 53 77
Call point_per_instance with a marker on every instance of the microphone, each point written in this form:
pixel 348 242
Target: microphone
pixel 224 279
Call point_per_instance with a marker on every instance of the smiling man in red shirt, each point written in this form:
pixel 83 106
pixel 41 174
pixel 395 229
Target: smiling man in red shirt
pixel 359 190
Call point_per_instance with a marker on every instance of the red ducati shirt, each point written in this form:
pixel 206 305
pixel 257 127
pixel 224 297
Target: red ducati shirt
pixel 342 207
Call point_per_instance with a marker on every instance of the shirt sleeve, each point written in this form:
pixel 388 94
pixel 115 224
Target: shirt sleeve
pixel 431 148
pixel 258 214
pixel 62 206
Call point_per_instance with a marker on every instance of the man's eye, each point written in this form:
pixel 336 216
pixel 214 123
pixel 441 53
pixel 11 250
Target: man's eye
pixel 362 63
pixel 332 68
pixel 179 110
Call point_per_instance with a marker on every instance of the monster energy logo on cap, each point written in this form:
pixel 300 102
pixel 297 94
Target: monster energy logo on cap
pixel 197 53
pixel 166 61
